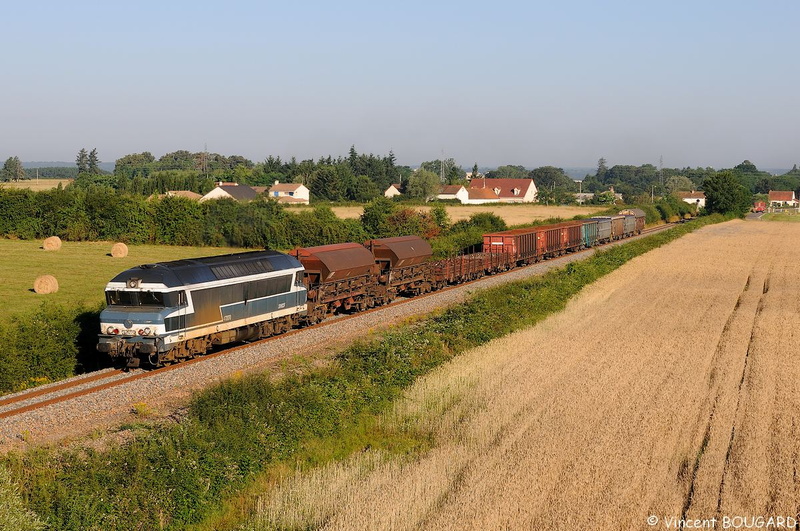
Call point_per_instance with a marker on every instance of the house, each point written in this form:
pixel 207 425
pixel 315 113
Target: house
pixel 480 196
pixel 290 193
pixel 392 191
pixel 235 191
pixel 698 199
pixel 453 191
pixel 780 198
pixel 507 190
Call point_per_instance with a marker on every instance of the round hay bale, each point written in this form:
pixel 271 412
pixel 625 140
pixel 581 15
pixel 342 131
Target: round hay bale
pixel 53 243
pixel 119 250
pixel 45 284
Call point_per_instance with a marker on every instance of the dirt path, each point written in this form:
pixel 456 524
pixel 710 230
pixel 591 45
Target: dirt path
pixel 667 390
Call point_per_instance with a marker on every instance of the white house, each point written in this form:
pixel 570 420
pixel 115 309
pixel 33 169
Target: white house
pixel 294 193
pixel 235 191
pixel 453 191
pixel 778 198
pixel 698 199
pixel 507 190
pixel 392 191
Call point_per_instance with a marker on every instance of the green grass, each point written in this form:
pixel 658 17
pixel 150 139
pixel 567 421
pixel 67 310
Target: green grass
pixel 81 268
pixel 176 476
pixel 782 216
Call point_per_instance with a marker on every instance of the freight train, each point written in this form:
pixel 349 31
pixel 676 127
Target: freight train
pixel 157 314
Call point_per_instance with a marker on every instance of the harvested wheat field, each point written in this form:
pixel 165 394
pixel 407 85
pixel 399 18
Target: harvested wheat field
pixel 512 214
pixel 689 409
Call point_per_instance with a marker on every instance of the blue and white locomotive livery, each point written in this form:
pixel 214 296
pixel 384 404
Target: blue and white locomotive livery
pixel 171 311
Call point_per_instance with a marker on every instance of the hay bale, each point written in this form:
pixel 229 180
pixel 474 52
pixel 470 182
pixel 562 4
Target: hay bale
pixel 119 250
pixel 53 243
pixel 45 284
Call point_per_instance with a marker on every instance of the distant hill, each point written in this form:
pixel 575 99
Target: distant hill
pixel 107 166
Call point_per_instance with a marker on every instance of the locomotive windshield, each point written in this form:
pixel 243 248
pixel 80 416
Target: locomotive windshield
pixel 144 298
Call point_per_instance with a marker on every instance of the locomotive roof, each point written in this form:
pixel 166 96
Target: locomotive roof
pixel 209 268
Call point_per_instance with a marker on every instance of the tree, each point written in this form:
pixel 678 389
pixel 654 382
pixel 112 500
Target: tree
pixel 678 183
pixel 474 173
pixel 508 172
pixel 94 161
pixel 601 169
pixel 362 189
pixel 551 177
pixel 326 184
pixel 447 169
pixel 82 161
pixel 13 170
pixel 423 184
pixel 376 215
pixel 725 195
pixel 440 216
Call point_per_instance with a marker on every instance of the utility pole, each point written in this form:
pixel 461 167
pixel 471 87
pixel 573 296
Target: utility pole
pixel 661 173
pixel 205 159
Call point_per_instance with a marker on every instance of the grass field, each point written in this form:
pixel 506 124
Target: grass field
pixel 784 216
pixel 37 185
pixel 81 268
pixel 513 214
pixel 686 408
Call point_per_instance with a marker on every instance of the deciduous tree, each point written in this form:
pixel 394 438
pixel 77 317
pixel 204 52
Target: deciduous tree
pixel 725 195
pixel 423 184
pixel 13 170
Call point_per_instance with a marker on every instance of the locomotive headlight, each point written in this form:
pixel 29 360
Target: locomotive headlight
pixel 110 330
pixel 147 331
pixel 141 331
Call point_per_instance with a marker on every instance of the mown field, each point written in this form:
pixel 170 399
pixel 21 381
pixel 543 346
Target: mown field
pixel 37 185
pixel 81 268
pixel 512 214
pixel 782 216
pixel 686 408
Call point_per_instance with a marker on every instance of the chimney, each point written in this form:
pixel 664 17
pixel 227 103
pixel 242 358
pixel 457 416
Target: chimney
pixel 276 181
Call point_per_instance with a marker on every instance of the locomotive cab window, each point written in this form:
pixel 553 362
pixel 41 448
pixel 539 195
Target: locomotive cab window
pixel 145 298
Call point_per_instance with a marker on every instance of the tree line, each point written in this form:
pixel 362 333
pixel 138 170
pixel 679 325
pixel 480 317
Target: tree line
pixel 638 183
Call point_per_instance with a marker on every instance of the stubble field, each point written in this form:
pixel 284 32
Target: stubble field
pixel 512 214
pixel 37 185
pixel 669 389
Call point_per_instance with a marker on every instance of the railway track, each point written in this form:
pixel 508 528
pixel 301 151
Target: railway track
pixel 80 386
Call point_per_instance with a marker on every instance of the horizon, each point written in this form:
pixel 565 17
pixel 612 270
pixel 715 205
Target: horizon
pixel 536 84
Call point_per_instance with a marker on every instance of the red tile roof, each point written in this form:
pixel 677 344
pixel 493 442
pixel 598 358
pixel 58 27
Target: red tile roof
pixel 780 195
pixel 482 193
pixel 505 186
pixel 451 189
pixel 691 195
pixel 285 187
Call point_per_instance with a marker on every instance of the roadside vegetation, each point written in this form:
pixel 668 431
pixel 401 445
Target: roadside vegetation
pixel 781 216
pixel 253 427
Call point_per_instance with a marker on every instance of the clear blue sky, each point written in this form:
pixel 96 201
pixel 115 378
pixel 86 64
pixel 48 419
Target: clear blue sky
pixel 531 83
